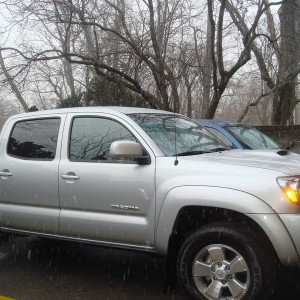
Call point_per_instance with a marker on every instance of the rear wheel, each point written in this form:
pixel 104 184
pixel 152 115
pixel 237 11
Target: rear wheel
pixel 226 262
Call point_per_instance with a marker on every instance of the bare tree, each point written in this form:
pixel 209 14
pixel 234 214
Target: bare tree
pixel 81 18
pixel 222 71
pixel 286 48
pixel 155 48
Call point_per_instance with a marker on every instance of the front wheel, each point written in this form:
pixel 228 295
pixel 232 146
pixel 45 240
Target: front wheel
pixel 226 262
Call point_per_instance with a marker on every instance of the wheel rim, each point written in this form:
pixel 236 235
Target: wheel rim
pixel 221 273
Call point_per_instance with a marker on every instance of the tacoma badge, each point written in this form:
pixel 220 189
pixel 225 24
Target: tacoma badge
pixel 124 207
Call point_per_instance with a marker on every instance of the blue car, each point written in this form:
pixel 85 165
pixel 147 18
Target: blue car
pixel 238 135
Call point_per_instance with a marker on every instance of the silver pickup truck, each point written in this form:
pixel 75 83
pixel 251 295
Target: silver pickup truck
pixel 154 181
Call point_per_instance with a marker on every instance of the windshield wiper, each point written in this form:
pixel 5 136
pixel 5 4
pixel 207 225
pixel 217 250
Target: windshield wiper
pixel 196 152
pixel 219 149
pixel 187 153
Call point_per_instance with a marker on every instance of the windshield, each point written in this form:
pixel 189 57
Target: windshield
pixel 252 138
pixel 186 138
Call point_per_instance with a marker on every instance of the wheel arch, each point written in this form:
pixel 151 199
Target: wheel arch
pixel 189 207
pixel 202 198
pixel 188 221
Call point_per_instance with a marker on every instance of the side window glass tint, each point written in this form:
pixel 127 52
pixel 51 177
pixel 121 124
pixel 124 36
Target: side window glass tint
pixel 34 139
pixel 91 138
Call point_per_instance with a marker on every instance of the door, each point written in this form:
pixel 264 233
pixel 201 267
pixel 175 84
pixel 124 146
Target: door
pixel 103 199
pixel 29 160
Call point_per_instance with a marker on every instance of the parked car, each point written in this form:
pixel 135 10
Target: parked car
pixel 152 181
pixel 239 136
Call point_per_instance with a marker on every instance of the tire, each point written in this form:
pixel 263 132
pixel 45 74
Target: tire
pixel 223 261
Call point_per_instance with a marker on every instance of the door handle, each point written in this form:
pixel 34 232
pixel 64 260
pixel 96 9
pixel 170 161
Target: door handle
pixel 70 177
pixel 5 173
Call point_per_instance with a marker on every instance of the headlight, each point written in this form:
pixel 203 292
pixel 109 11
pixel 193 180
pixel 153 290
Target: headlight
pixel 290 187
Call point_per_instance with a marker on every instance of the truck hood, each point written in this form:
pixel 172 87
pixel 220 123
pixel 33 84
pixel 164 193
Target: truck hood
pixel 277 160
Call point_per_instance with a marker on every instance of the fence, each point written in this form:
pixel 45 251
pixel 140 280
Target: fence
pixel 284 134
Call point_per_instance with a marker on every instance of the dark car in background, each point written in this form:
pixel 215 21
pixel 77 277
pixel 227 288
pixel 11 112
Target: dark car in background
pixel 239 136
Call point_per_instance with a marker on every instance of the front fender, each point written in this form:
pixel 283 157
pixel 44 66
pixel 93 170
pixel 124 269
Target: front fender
pixel 224 198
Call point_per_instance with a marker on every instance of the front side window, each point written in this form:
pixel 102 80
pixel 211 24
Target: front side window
pixel 91 138
pixel 34 139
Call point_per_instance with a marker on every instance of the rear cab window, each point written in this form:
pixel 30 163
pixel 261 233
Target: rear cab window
pixel 34 139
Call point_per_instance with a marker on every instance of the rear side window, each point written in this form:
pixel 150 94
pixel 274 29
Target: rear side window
pixel 34 139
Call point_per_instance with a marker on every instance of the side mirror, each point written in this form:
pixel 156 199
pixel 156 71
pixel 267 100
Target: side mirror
pixel 125 150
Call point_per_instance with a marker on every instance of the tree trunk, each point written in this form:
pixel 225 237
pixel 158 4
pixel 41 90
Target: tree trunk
pixel 284 100
pixel 189 96
pixel 207 72
pixel 13 85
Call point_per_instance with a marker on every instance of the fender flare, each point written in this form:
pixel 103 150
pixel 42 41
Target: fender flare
pixel 212 196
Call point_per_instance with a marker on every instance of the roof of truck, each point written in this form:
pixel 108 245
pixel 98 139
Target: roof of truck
pixel 94 109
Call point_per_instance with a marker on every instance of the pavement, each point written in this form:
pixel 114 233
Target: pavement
pixel 34 268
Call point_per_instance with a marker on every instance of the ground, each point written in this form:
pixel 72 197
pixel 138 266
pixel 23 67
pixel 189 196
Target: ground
pixel 34 268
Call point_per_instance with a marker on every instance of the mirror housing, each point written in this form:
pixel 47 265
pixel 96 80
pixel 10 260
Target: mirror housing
pixel 125 150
